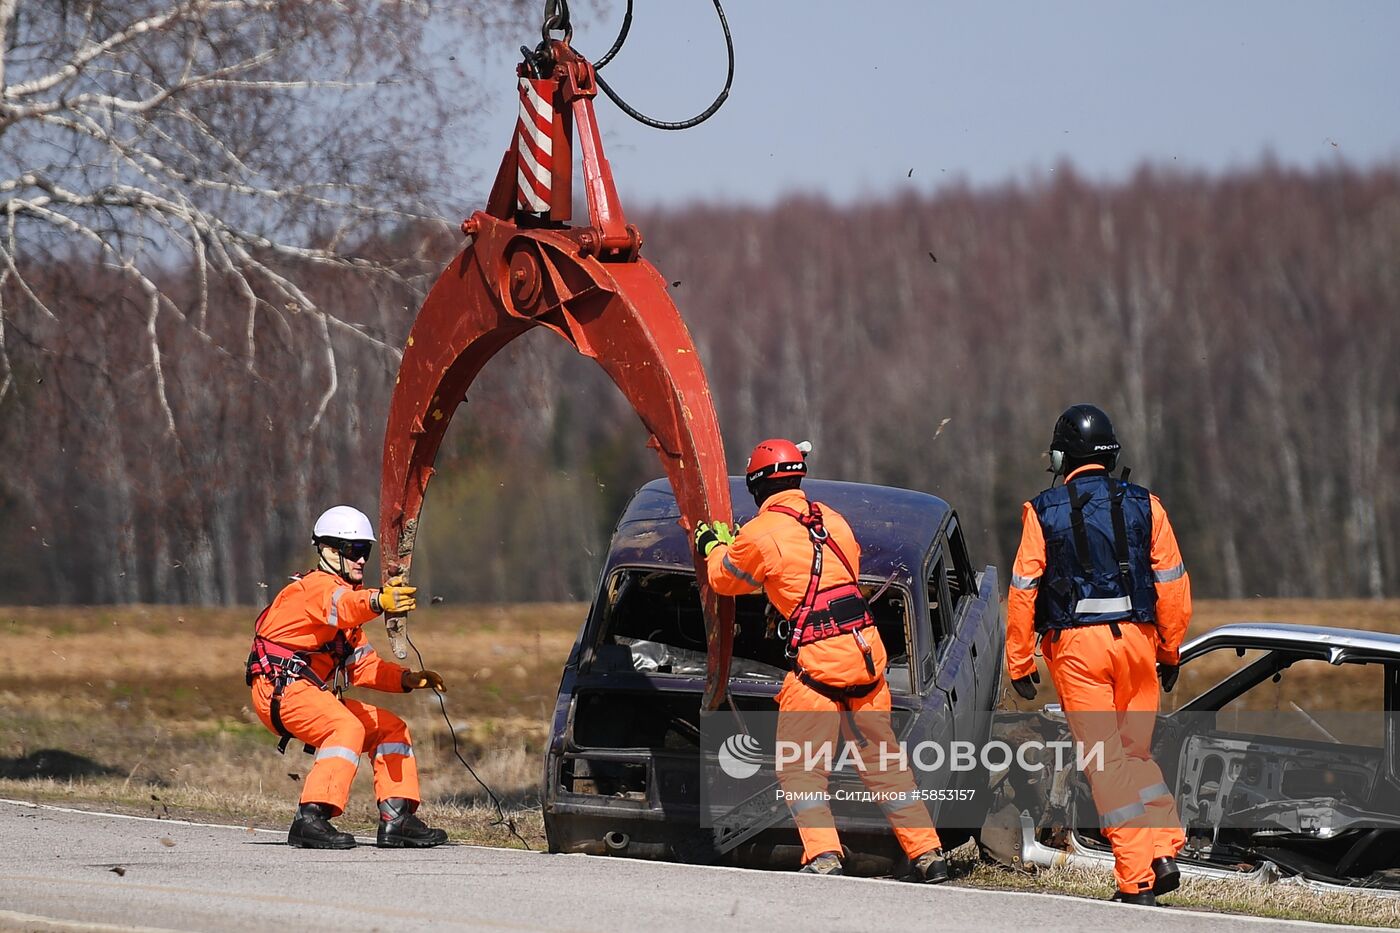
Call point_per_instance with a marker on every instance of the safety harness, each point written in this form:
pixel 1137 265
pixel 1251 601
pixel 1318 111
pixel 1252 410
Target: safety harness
pixel 826 613
pixel 283 665
pixel 1116 591
pixel 1120 537
pixel 833 611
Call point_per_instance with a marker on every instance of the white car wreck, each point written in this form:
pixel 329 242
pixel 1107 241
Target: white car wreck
pixel 1268 789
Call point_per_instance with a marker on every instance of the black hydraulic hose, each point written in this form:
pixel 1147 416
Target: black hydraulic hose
pixel 501 819
pixel 556 19
pixel 617 43
pixel 651 121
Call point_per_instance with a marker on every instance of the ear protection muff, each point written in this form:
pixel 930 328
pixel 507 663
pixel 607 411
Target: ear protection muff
pixel 1057 462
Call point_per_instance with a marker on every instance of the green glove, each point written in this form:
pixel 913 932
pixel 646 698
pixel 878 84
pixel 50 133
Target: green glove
pixel 706 539
pixel 708 536
pixel 724 534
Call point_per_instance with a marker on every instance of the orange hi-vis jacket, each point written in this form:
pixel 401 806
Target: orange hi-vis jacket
pixel 1172 585
pixel 773 552
pixel 308 614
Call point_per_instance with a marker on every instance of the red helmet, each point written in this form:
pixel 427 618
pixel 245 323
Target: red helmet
pixel 775 457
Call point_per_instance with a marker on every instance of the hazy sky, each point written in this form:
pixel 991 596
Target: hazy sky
pixel 846 98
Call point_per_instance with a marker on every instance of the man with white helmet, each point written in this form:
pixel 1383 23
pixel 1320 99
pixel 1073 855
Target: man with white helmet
pixel 310 644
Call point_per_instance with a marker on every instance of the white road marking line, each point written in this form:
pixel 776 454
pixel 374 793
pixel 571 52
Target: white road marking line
pixel 35 922
pixel 127 816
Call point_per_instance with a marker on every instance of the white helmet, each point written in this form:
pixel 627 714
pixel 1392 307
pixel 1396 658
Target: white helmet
pixel 344 524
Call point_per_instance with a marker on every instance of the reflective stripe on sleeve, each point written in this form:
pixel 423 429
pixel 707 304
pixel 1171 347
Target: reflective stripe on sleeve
pixel 734 569
pixel 1152 793
pixel 334 616
pixel 359 654
pixel 1123 814
pixel 1093 606
pixel 1167 576
pixel 338 751
pixel 393 748
pixel 1024 583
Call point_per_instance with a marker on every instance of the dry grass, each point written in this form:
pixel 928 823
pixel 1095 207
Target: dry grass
pixel 143 709
pixel 1281 901
pixel 149 702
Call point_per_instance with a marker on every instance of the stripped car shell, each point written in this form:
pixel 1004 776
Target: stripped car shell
pixel 624 763
pixel 1297 796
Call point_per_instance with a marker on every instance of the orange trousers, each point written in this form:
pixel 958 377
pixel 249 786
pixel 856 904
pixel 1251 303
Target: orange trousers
pixel 1109 690
pixel 341 731
pixel 808 718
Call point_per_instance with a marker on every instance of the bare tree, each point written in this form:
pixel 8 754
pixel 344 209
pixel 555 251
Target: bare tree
pixel 213 214
pixel 245 140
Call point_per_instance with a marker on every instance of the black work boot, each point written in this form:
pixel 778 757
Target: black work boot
pixel 1166 876
pixel 931 867
pixel 1142 898
pixel 312 829
pixel 400 829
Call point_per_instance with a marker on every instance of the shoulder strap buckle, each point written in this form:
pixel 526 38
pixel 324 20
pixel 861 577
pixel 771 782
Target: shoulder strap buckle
pixel 1120 534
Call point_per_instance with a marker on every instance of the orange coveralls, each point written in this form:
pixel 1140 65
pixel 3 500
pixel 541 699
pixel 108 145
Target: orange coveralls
pixel 304 616
pixel 1109 690
pixel 774 552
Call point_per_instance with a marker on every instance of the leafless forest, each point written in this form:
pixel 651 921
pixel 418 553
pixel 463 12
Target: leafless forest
pixel 1241 330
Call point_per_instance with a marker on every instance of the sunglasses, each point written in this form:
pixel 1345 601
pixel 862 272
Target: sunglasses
pixel 352 550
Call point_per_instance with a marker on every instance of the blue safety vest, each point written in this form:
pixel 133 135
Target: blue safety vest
pixel 1098 553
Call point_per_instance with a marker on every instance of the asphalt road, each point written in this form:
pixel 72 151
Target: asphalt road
pixel 57 873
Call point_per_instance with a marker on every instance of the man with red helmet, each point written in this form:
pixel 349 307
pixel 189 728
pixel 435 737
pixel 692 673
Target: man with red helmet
pixel 805 558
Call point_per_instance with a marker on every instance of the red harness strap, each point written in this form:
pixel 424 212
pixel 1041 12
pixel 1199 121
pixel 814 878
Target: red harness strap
pixel 835 610
pixel 282 665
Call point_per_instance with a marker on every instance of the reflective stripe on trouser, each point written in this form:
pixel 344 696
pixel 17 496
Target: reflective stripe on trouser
pixel 342 730
pixel 807 717
pixel 1109 689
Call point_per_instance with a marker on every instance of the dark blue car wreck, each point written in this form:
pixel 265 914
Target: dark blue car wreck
pixel 624 765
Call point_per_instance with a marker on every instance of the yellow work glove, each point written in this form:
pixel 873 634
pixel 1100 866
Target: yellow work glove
pixel 396 597
pixel 724 534
pixel 416 680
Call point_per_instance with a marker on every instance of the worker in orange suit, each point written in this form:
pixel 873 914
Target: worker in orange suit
pixel 307 646
pixel 1100 582
pixel 805 558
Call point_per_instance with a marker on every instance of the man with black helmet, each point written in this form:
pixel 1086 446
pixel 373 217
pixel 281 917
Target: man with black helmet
pixel 1100 583
pixel 807 561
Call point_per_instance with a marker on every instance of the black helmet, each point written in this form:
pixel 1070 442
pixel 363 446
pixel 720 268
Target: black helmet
pixel 1083 434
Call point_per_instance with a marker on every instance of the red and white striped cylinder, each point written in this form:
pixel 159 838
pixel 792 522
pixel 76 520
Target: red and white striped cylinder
pixel 534 146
